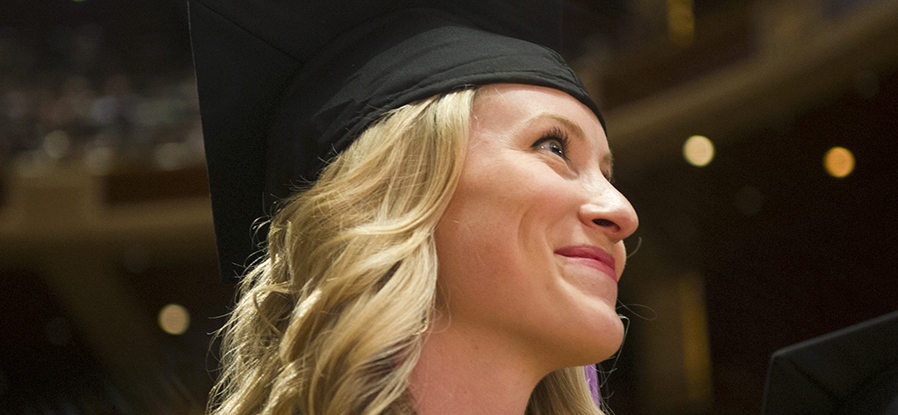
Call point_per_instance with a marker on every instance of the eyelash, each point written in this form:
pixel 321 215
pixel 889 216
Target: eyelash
pixel 555 134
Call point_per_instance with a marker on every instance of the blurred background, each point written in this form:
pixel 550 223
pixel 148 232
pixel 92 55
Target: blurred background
pixel 757 139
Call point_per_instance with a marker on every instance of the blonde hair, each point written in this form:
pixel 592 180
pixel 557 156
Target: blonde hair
pixel 332 320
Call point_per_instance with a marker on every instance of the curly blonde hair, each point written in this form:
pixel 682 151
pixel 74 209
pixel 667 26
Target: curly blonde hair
pixel 331 321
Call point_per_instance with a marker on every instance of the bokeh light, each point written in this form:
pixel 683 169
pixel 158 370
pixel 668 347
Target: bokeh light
pixel 698 150
pixel 174 319
pixel 839 162
pixel 56 144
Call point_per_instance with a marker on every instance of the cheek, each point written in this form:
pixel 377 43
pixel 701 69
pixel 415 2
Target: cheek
pixel 502 212
pixel 478 244
pixel 504 217
pixel 474 241
pixel 493 240
pixel 470 277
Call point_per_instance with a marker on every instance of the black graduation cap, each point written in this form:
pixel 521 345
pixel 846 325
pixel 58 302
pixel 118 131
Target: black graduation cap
pixel 849 371
pixel 284 85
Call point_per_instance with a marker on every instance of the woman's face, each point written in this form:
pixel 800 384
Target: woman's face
pixel 530 247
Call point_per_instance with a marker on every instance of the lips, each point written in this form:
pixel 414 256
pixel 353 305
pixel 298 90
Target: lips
pixel 591 256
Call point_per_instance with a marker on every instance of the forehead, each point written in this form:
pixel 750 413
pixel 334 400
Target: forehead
pixel 503 106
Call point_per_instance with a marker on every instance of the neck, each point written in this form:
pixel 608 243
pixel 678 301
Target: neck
pixel 463 370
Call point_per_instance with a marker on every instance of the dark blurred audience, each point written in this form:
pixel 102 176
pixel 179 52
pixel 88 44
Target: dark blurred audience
pixel 69 98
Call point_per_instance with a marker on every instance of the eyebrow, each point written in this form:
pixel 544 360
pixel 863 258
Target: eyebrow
pixel 575 129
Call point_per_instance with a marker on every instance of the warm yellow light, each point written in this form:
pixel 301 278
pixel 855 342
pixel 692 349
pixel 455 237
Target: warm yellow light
pixel 698 150
pixel 681 22
pixel 174 319
pixel 839 162
pixel 696 341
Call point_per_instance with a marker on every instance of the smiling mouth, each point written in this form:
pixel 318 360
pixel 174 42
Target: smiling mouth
pixel 591 256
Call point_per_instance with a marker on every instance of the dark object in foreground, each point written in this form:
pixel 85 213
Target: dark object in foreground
pixel 849 371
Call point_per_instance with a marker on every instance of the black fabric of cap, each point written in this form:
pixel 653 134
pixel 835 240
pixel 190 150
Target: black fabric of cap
pixel 850 371
pixel 286 85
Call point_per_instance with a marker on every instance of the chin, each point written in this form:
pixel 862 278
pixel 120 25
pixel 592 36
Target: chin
pixel 609 345
pixel 595 345
pixel 609 332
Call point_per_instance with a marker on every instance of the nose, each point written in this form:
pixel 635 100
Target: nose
pixel 608 211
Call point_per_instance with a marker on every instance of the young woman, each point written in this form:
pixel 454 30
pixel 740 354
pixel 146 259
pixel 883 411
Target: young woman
pixel 460 251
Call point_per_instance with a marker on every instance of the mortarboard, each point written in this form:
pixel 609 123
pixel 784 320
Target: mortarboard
pixel 849 371
pixel 285 85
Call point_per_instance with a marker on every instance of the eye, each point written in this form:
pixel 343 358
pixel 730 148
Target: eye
pixel 552 145
pixel 554 141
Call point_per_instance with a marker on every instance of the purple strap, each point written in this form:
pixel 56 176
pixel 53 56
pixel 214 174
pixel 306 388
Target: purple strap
pixel 592 379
